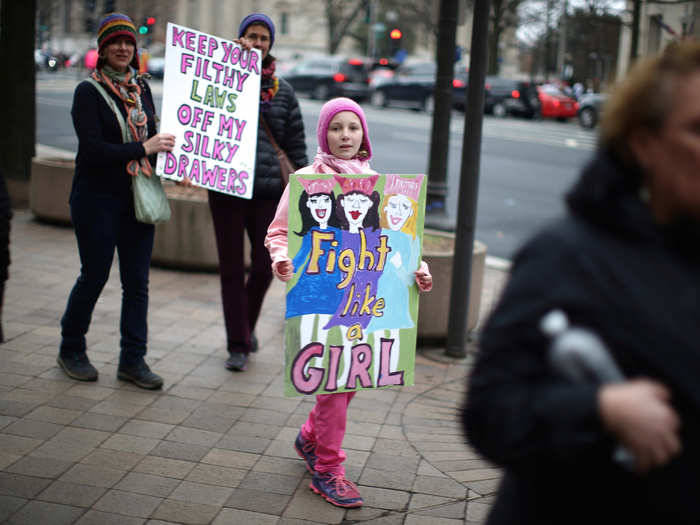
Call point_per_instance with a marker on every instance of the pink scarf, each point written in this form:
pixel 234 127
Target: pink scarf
pixel 328 163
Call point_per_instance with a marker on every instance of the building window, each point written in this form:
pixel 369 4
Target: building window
pixel 284 23
pixel 90 26
pixel 655 24
pixel 67 17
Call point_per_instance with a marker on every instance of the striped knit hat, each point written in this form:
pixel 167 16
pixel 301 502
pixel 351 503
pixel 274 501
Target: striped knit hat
pixel 114 25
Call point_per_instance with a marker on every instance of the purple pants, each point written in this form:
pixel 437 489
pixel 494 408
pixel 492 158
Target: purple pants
pixel 325 426
pixel 241 298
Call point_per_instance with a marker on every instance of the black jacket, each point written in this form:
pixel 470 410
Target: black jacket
pixel 612 269
pixel 100 165
pixel 287 126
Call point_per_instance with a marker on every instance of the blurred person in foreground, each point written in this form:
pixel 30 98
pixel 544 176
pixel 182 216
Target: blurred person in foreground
pixel 624 263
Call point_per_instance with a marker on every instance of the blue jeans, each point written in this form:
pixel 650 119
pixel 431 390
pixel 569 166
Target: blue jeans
pixel 103 223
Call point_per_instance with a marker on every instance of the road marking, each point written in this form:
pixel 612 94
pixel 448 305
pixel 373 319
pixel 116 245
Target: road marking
pixel 53 102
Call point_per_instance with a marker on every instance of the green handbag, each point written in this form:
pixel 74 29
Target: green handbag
pixel 150 201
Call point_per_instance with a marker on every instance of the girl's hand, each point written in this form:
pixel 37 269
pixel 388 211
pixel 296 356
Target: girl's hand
pixel 424 279
pixel 186 182
pixel 158 143
pixel 640 415
pixel 283 270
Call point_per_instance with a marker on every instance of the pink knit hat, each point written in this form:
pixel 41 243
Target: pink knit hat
pixel 329 110
pixel 314 186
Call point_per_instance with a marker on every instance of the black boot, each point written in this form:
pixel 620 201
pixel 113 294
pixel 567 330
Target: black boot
pixel 140 374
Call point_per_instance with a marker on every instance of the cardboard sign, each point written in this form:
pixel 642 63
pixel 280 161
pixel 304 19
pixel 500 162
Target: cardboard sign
pixel 211 94
pixel 352 305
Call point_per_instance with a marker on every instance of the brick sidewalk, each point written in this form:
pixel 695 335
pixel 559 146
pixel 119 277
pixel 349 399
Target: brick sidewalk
pixel 212 447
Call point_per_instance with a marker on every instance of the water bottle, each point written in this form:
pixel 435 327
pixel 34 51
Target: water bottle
pixel 581 356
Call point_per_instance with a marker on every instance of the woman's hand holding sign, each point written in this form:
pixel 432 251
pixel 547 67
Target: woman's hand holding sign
pixel 158 143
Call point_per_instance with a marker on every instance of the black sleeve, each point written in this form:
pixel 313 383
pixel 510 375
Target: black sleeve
pixel 91 119
pixel 295 141
pixel 518 410
pixel 5 218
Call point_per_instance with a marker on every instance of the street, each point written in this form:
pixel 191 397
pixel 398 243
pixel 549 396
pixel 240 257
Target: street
pixel 526 166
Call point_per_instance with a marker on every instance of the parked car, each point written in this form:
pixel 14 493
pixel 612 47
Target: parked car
pixel 504 96
pixel 590 109
pixel 381 70
pixel 327 77
pixel 555 104
pixel 459 88
pixel 156 67
pixel 413 86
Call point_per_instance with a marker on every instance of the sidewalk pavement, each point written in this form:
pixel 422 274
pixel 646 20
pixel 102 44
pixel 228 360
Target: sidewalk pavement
pixel 213 447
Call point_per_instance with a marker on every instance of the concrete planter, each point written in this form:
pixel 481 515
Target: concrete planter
pixel 49 188
pixel 187 240
pixel 434 307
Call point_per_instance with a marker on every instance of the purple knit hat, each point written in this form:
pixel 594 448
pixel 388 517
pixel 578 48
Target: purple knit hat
pixel 260 19
pixel 331 109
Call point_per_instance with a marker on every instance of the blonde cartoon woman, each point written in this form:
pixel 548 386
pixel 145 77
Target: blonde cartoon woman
pixel 399 212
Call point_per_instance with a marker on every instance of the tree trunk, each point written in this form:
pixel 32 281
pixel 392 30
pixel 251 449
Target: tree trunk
pixel 634 40
pixel 494 39
pixel 17 31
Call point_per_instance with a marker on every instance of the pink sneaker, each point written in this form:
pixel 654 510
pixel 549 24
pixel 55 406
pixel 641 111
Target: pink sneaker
pixel 307 451
pixel 336 489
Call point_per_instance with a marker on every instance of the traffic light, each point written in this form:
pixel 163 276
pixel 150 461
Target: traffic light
pixel 146 26
pixel 395 36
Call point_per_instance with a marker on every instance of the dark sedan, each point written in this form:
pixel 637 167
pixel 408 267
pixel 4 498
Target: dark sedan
pixel 326 77
pixel 413 86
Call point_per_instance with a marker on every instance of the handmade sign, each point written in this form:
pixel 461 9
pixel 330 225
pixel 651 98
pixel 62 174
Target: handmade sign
pixel 352 305
pixel 210 103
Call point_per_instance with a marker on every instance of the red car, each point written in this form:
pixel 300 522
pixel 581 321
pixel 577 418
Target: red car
pixel 555 104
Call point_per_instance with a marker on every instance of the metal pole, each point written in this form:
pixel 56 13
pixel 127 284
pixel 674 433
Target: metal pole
pixel 469 184
pixel 436 216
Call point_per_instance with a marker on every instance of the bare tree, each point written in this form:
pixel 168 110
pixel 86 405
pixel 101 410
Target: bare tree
pixel 341 15
pixel 504 15
pixel 17 22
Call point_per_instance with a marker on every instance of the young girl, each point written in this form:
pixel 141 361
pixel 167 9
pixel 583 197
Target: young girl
pixel 343 147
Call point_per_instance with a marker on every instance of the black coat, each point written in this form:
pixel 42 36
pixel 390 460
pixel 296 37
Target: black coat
pixel 100 165
pixel 287 126
pixel 637 285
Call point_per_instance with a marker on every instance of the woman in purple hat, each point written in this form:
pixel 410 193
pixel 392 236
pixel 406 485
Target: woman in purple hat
pixel 115 121
pixel 241 297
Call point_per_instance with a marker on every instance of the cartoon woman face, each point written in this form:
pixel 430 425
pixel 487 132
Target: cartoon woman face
pixel 320 207
pixel 398 210
pixel 356 206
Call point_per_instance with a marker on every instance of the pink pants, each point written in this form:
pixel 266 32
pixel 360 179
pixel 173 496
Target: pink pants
pixel 325 426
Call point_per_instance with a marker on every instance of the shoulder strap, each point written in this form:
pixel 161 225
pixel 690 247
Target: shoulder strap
pixel 113 106
pixel 269 133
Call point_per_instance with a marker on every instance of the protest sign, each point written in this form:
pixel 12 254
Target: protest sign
pixel 352 304
pixel 211 94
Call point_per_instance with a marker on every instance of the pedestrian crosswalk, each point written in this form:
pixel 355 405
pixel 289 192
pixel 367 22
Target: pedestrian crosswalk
pixel 564 134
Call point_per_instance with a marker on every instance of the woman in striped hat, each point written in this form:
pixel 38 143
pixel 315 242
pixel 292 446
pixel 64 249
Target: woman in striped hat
pixel 101 201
